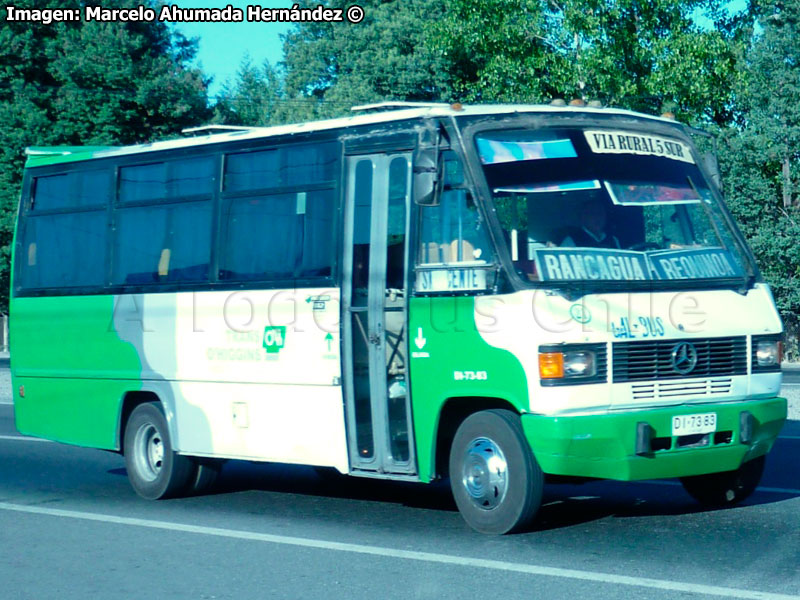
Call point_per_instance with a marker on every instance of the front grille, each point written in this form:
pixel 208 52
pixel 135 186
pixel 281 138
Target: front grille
pixel 652 360
pixel 693 389
pixel 699 387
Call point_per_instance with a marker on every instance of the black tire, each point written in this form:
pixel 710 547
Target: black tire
pixel 329 474
pixel 154 469
pixel 206 472
pixel 726 488
pixel 508 500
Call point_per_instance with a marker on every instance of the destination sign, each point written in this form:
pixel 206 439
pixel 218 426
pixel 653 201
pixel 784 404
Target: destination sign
pixel 592 264
pixel 451 280
pixel 696 263
pixel 603 141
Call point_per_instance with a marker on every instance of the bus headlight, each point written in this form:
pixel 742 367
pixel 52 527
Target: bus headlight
pixel 567 365
pixel 573 364
pixel 768 353
pixel 579 363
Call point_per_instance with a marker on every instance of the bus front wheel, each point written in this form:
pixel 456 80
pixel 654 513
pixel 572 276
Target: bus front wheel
pixel 496 482
pixel 155 470
pixel 726 488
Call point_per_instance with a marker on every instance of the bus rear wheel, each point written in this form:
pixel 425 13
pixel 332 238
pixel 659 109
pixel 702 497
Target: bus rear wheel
pixel 206 472
pixel 496 482
pixel 726 488
pixel 155 470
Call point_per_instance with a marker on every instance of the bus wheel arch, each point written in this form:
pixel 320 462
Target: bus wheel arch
pixel 495 479
pixel 453 412
pixel 155 469
pixel 130 401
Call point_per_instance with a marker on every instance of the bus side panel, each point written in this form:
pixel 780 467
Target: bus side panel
pixel 449 359
pixel 298 424
pixel 74 367
pixel 249 374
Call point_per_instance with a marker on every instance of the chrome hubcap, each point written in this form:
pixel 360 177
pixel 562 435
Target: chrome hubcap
pixel 148 452
pixel 485 473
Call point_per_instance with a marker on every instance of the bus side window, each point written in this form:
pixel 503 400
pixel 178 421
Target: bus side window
pixel 453 232
pixel 163 220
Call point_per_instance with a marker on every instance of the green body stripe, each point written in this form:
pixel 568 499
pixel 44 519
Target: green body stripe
pixel 604 446
pixel 74 367
pixel 45 156
pixel 454 345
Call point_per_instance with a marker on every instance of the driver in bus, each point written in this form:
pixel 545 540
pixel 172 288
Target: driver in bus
pixel 592 232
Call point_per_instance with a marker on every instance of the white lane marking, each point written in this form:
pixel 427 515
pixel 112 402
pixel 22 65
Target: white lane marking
pixel 6 403
pixel 22 438
pixel 430 557
pixel 773 490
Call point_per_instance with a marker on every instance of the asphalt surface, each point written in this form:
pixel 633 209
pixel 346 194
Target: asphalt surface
pixel 791 374
pixel 71 527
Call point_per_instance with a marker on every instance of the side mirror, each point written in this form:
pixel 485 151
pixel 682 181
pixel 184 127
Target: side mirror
pixel 712 167
pixel 426 171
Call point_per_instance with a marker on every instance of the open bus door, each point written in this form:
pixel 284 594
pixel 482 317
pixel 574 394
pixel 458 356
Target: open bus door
pixel 375 314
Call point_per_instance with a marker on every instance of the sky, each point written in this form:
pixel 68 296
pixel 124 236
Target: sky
pixel 223 46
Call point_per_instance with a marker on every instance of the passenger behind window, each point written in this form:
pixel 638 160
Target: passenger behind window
pixel 452 232
pixel 592 232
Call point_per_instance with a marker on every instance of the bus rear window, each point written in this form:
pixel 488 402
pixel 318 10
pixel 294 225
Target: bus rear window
pixel 64 250
pixel 71 190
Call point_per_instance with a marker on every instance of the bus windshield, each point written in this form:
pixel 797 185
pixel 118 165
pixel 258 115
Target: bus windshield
pixel 606 205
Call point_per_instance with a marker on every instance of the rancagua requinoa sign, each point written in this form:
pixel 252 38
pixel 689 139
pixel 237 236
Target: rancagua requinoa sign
pixel 590 264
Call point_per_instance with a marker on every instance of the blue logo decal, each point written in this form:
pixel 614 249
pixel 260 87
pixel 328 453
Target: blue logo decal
pixel 580 313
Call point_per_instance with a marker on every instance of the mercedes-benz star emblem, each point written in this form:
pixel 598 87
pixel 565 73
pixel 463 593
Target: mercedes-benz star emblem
pixel 684 358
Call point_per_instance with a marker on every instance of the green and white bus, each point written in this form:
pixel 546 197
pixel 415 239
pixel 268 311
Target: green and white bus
pixel 494 294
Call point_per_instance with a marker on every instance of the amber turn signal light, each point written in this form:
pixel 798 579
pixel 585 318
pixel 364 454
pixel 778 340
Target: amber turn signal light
pixel 551 365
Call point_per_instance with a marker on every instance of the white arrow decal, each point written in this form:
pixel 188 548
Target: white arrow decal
pixel 420 340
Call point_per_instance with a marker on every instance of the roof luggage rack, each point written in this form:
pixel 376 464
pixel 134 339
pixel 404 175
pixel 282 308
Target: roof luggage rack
pixel 394 105
pixel 211 129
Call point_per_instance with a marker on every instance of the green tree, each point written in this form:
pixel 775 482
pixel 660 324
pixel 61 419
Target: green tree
pixel 500 51
pixel 771 88
pixel 252 99
pixel 78 83
pixel 760 155
pixel 258 97
pixel 384 57
pixel 647 55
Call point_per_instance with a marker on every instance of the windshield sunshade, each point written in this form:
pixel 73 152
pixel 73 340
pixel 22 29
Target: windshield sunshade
pixel 493 151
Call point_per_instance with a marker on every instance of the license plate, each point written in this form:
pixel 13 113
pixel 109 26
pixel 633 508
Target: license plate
pixel 693 424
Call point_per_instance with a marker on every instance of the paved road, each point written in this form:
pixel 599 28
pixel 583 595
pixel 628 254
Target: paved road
pixel 71 527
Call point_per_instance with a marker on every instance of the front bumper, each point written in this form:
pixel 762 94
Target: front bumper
pixel 605 446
